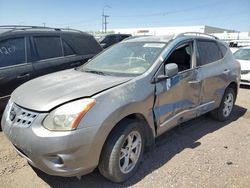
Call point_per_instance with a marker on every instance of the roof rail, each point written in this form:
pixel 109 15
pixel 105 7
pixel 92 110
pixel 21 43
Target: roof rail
pixel 34 27
pixel 22 26
pixel 196 34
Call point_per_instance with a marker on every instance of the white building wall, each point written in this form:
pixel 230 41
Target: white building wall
pixel 160 30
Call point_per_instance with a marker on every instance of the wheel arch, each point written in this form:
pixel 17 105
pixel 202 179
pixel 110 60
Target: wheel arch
pixel 234 86
pixel 148 132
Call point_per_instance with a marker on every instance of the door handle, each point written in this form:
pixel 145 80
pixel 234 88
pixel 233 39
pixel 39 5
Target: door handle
pixel 194 81
pixel 23 76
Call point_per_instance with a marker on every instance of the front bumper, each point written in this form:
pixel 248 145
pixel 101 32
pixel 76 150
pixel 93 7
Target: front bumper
pixel 68 153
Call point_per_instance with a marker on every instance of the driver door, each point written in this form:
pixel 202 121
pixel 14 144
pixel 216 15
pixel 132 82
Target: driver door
pixel 178 96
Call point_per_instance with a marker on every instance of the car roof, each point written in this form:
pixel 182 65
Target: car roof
pixel 115 34
pixel 10 30
pixel 167 38
pixel 163 38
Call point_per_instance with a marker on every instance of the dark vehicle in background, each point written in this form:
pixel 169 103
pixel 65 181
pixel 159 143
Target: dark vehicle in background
pixel 27 52
pixel 109 40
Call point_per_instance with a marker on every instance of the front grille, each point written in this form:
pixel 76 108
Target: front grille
pixel 21 117
pixel 245 71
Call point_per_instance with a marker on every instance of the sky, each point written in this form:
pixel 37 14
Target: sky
pixel 86 14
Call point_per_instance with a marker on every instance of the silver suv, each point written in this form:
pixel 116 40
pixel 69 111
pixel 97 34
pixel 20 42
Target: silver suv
pixel 107 112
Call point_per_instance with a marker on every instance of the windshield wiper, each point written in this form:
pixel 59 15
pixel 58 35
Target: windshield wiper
pixel 95 72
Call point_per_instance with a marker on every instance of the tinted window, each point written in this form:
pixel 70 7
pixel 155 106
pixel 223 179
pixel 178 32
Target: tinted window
pixel 67 49
pixel 223 49
pixel 111 39
pixel 208 52
pixel 48 47
pixel 86 45
pixel 12 52
pixel 124 36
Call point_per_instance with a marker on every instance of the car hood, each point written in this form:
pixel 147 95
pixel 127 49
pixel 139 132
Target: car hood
pixel 245 64
pixel 47 92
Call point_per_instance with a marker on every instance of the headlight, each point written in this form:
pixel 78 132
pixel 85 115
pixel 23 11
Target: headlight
pixel 68 116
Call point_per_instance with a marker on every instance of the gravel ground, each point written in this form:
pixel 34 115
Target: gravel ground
pixel 199 153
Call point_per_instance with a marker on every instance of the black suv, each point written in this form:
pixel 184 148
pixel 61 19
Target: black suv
pixel 27 52
pixel 111 39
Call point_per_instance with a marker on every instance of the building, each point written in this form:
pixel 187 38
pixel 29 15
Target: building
pixel 171 30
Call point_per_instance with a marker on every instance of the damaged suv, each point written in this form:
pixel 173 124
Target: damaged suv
pixel 107 112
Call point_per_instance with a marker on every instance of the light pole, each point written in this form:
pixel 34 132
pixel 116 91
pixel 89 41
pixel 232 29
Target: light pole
pixel 104 19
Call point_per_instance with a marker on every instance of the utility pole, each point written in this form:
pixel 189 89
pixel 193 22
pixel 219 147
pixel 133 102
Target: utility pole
pixel 105 23
pixel 104 19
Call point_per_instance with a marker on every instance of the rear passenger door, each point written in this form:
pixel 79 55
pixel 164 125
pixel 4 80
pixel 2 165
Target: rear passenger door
pixel 14 68
pixel 47 54
pixel 213 72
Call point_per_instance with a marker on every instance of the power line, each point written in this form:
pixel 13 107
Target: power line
pixel 172 12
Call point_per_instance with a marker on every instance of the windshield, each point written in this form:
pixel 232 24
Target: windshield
pixel 242 54
pixel 132 58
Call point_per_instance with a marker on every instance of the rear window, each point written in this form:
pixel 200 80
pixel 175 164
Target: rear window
pixel 86 45
pixel 48 47
pixel 122 37
pixel 111 39
pixel 12 52
pixel 208 52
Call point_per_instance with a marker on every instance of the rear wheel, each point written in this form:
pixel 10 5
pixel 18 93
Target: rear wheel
pixel 122 152
pixel 224 111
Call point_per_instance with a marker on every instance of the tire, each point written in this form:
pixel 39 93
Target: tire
pixel 115 163
pixel 220 113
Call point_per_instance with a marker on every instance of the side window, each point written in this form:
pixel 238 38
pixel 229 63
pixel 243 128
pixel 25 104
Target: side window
pixel 223 49
pixel 208 52
pixel 182 56
pixel 48 47
pixel 12 52
pixel 67 49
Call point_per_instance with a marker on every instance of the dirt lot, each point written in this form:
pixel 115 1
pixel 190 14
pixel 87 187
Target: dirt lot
pixel 200 153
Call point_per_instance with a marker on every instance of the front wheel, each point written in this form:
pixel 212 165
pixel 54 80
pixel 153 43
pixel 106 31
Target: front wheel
pixel 224 111
pixel 122 153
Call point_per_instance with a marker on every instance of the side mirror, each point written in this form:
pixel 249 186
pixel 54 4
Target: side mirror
pixel 171 70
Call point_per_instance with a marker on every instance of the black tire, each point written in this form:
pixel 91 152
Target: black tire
pixel 109 165
pixel 218 112
pixel 0 123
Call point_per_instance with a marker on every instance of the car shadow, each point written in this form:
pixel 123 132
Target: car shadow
pixel 167 146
